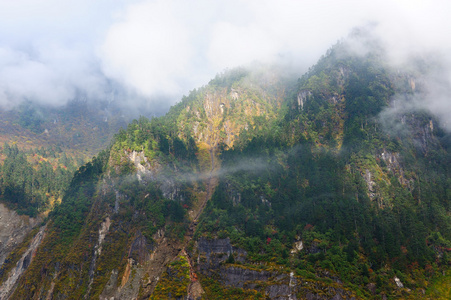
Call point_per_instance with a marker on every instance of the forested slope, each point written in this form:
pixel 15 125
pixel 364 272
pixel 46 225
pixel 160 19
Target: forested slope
pixel 368 203
pixel 257 186
pixel 42 146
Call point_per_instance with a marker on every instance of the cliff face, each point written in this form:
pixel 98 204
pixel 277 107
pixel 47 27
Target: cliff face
pixel 17 242
pixel 229 265
pixel 13 229
pixel 10 282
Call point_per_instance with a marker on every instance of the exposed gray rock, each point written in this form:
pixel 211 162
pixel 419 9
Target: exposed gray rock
pixel 125 290
pixel 13 229
pixel 236 276
pixel 298 246
pixel 140 250
pixel 372 288
pixel 398 282
pixel 370 183
pixel 170 189
pixel 302 98
pixel 141 164
pixel 103 230
pixel 214 246
pixel 234 94
pixel 279 291
pixel 8 286
pixel 218 251
pixel 391 159
pixel 110 287
pixel 212 255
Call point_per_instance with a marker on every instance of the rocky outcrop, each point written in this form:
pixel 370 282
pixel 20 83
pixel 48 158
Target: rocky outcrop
pixel 104 228
pixel 298 246
pixel 391 159
pixel 302 98
pixel 214 254
pixel 147 171
pixel 219 115
pixel 398 282
pixel 279 285
pixel 170 189
pixel 393 162
pixel 141 249
pixel 128 286
pixel 8 285
pixel 239 277
pixel 424 136
pixel 13 229
pixel 214 246
pixel 370 183
pixel 142 165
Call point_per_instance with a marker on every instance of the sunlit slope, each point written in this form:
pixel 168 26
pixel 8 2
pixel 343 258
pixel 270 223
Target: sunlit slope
pixel 257 186
pixel 144 194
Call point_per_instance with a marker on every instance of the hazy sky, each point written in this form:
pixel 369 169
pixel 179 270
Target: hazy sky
pixel 153 49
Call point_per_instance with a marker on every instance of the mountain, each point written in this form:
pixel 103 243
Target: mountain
pixel 80 126
pixel 43 146
pixel 258 186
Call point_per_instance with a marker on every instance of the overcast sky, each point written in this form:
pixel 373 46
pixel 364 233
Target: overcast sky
pixel 151 49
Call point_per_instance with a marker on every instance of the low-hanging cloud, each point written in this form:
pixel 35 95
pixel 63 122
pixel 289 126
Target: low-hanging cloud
pixel 48 79
pixel 432 94
pixel 47 51
pixel 153 51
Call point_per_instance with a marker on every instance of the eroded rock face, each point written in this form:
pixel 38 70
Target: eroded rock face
pixel 370 183
pixel 214 246
pixel 394 165
pixel 143 167
pixel 8 285
pixel 279 291
pixel 391 159
pixel 212 261
pixel 13 229
pixel 237 277
pixel 214 252
pixel 104 228
pixel 302 98
pixel 170 189
pixel 140 249
pixel 129 283
pixel 398 282
pixel 298 246
pixel 128 286
pixel 147 171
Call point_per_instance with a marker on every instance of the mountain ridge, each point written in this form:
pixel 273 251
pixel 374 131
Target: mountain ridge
pixel 253 189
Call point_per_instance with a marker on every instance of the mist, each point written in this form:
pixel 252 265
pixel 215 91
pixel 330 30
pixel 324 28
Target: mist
pixel 149 53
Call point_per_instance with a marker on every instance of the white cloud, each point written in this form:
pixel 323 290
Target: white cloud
pixel 50 50
pixel 47 50
pixel 149 49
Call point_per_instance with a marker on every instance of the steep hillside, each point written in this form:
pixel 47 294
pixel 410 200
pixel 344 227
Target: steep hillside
pixel 337 196
pixel 256 187
pixel 132 210
pixel 41 148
